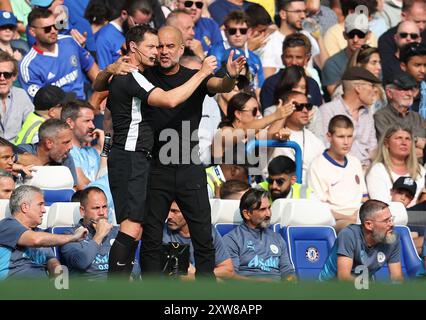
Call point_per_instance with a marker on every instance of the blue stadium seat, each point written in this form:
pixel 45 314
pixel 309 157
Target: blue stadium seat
pixel 410 261
pixel 60 230
pixel 224 228
pixel 51 196
pixel 309 247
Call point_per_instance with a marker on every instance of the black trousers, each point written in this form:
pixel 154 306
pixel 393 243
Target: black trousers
pixel 187 185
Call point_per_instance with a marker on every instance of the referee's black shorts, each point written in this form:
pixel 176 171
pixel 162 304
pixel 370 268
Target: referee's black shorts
pixel 128 177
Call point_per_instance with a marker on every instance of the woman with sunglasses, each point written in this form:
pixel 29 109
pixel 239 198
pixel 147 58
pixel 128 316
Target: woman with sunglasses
pixel 244 119
pixel 368 58
pixel 396 157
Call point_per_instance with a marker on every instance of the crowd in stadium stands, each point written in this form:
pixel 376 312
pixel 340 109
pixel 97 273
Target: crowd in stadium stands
pixel 345 80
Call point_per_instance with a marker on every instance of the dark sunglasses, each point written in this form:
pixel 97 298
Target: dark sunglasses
pixel 253 111
pixel 301 106
pixel 233 31
pixel 7 75
pixel 279 181
pixel 413 36
pixel 47 29
pixel 189 4
pixel 357 33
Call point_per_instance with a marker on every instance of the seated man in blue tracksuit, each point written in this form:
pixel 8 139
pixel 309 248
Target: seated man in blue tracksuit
pixel 256 251
pixel 365 248
pixel 236 31
pixel 89 257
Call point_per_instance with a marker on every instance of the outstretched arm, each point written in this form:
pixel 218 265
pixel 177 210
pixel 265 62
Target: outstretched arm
pixel 227 83
pixel 172 98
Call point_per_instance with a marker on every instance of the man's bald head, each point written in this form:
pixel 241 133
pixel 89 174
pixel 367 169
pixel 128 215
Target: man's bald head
pixel 170 49
pixel 182 21
pixel 170 31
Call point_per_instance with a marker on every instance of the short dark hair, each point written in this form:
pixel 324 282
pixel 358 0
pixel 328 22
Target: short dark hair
pixel 369 208
pixel 252 200
pixel 281 165
pixel 295 40
pixel 38 13
pixel 257 15
pixel 137 34
pixel 71 109
pixel 131 6
pixel 284 4
pixel 410 50
pixel 290 78
pixel 236 103
pixel 230 187
pixel 84 195
pixel 339 121
pixel 237 16
pixel 97 12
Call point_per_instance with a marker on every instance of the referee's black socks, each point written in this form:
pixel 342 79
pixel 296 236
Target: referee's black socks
pixel 121 255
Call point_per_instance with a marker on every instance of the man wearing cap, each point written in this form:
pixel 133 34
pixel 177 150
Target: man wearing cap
pixel 403 190
pixel 236 29
pixel 356 35
pixel 8 25
pixel 413 61
pixel 358 95
pixel 407 32
pixel 47 103
pixel 400 91
pixel 15 105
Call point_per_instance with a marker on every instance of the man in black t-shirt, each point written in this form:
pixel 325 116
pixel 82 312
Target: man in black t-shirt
pixel 129 161
pixel 180 177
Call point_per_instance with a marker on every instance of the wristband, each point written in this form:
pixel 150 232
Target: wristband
pixel 230 77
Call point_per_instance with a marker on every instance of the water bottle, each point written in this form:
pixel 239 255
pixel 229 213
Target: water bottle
pixel 310 25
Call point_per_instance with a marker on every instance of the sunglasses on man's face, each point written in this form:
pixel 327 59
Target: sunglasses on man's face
pixel 279 181
pixel 189 4
pixel 6 75
pixel 353 33
pixel 233 31
pixel 413 36
pixel 301 106
pixel 47 29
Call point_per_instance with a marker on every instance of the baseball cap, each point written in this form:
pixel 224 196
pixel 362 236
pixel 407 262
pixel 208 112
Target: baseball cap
pixel 405 183
pixel 41 3
pixel 49 96
pixel 359 73
pixel 7 19
pixel 402 80
pixel 356 22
